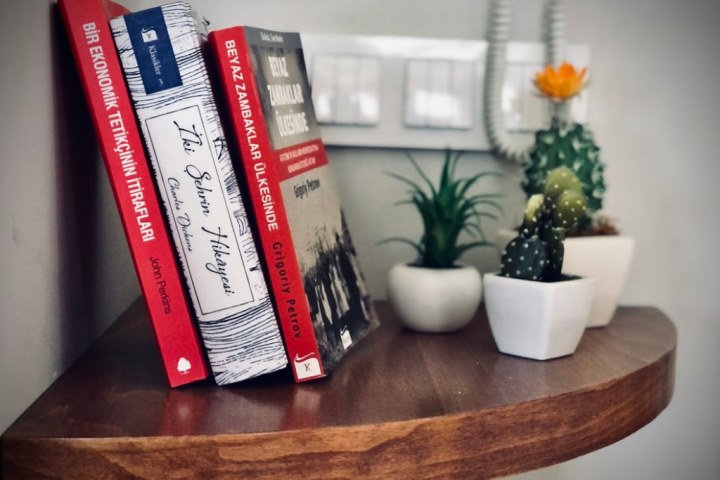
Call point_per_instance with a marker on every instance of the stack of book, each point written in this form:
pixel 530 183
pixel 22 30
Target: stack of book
pixel 239 241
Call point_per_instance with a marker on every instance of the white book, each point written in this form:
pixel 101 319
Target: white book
pixel 161 50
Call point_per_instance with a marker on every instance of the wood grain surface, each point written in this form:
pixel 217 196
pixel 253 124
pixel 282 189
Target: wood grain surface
pixel 401 405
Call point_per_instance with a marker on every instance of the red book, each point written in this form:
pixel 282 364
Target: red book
pixel 86 22
pixel 319 290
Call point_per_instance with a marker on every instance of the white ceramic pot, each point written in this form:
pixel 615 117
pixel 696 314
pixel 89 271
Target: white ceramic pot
pixel 537 320
pixel 606 258
pixel 434 300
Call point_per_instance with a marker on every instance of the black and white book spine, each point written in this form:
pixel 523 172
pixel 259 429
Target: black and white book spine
pixel 161 50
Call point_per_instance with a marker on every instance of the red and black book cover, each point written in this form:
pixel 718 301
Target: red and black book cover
pixel 86 22
pixel 318 287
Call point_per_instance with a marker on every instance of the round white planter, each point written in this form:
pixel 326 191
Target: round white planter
pixel 537 320
pixel 434 300
pixel 606 258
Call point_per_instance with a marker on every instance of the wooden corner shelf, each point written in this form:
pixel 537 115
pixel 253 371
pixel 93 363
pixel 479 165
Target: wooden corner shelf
pixel 401 405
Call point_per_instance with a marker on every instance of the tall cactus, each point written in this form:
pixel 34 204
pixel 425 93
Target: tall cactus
pixel 571 145
pixel 537 252
pixel 565 143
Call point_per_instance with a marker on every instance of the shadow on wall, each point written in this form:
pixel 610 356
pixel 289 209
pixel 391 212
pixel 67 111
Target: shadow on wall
pixel 78 166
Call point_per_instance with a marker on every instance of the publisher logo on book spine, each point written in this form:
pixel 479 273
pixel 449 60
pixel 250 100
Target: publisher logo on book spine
pixel 307 366
pixel 183 365
pixel 153 50
pixel 149 35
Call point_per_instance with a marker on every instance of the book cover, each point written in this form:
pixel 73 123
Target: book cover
pixel 319 289
pixel 161 52
pixel 86 22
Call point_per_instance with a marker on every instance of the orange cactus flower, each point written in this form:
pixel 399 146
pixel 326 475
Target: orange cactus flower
pixel 560 83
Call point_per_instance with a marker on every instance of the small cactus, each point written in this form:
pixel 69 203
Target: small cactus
pixel 569 209
pixel 537 252
pixel 525 258
pixel 533 212
pixel 572 145
pixel 565 143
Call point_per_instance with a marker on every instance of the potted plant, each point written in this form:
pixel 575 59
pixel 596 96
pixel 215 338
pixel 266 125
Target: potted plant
pixel 534 309
pixel 436 293
pixel 594 247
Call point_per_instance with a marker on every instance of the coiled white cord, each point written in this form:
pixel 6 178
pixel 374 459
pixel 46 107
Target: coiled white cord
pixel 498 34
pixel 554 28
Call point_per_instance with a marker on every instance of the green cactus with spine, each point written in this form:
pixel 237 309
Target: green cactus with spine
pixel 537 252
pixel 571 145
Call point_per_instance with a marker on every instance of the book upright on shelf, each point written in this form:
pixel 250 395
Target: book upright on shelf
pixel 161 51
pixel 319 290
pixel 86 22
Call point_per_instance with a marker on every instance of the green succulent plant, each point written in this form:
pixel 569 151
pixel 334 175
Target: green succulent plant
pixel 447 210
pixel 571 145
pixel 566 143
pixel 537 252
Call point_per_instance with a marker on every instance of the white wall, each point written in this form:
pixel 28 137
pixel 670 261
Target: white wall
pixel 65 270
pixel 654 110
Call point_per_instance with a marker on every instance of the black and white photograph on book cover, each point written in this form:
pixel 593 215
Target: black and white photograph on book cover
pixel 339 301
pixel 337 295
pixel 336 291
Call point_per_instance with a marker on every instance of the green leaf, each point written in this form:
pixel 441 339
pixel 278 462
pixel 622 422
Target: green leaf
pixel 448 210
pixel 422 174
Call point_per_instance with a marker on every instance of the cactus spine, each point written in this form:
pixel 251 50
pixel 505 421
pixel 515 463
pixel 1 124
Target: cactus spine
pixel 537 252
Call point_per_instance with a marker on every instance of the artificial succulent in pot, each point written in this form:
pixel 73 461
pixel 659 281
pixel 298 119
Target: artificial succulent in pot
pixel 436 293
pixel 536 311
pixel 596 248
pixel 447 210
pixel 537 252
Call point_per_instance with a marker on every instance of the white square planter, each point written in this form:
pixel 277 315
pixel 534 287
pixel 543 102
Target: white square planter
pixel 606 258
pixel 537 320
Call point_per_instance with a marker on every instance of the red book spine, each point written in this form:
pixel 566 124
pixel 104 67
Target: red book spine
pixel 86 22
pixel 247 123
